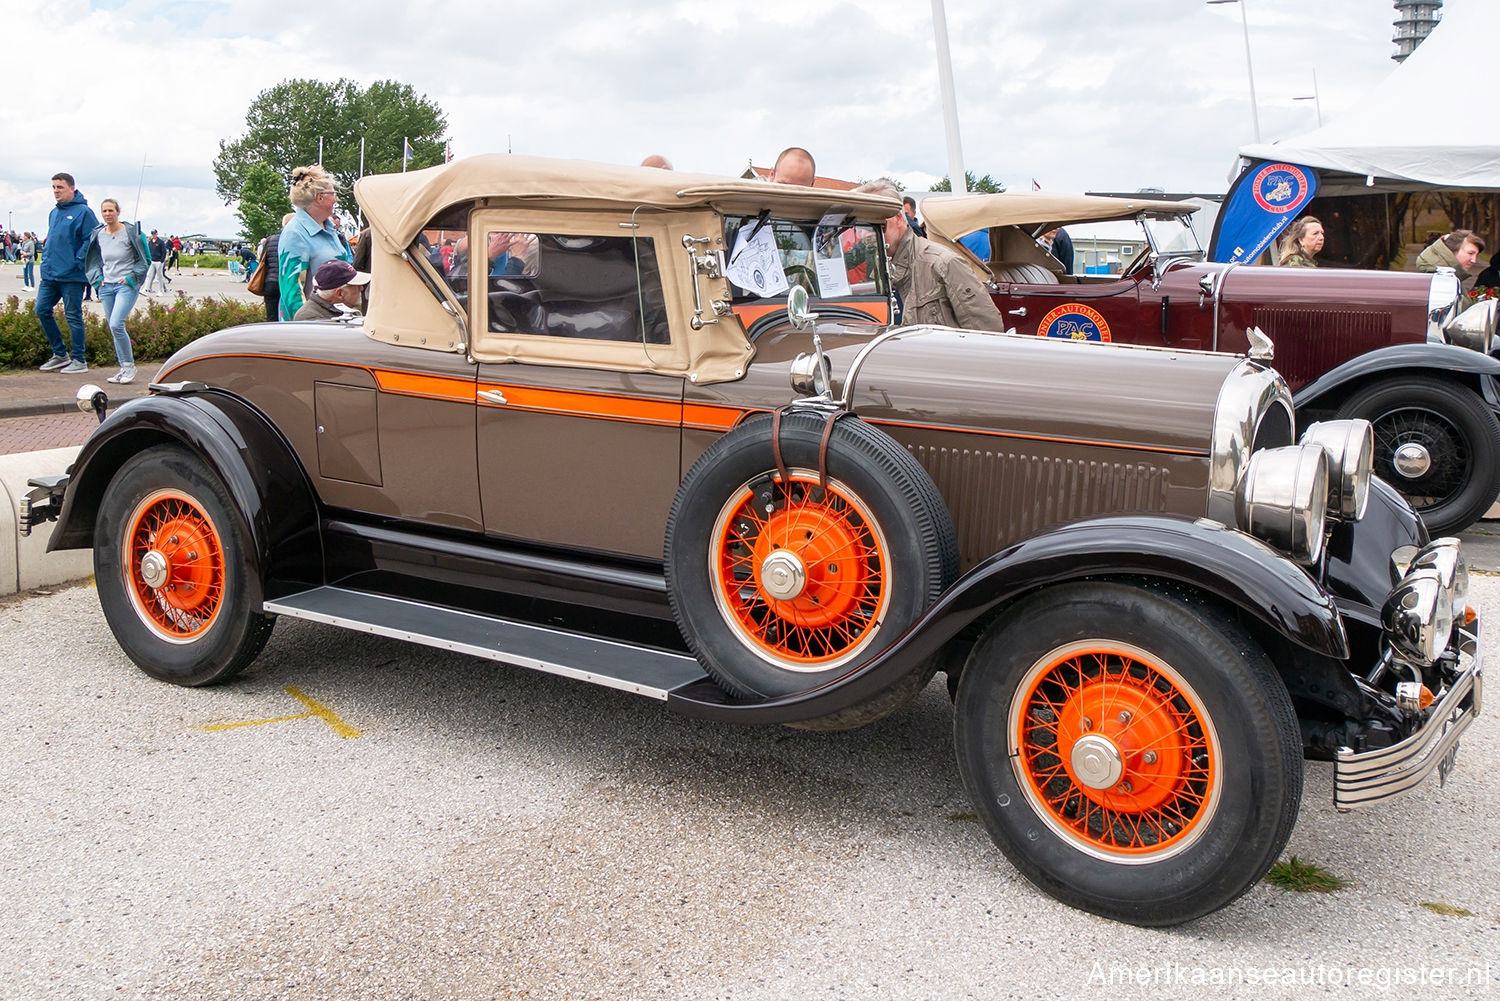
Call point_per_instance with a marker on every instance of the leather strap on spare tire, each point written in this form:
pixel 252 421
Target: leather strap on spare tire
pixel 798 546
pixel 828 422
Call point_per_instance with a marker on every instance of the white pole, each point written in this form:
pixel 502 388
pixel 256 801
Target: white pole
pixel 956 174
pixel 141 184
pixel 320 151
pixel 1250 68
pixel 361 156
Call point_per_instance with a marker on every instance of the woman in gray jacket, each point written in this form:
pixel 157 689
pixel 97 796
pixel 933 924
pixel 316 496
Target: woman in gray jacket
pixel 116 263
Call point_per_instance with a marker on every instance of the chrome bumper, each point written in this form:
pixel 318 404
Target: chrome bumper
pixel 1360 779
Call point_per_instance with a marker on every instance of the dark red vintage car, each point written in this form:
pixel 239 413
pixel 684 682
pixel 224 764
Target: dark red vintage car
pixel 1395 349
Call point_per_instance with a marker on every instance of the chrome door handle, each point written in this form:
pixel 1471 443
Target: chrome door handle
pixel 1017 312
pixel 492 396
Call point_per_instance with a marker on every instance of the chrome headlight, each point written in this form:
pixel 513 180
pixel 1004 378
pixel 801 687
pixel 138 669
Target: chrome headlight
pixel 1418 616
pixel 1474 327
pixel 1350 445
pixel 1254 411
pixel 1442 303
pixel 1282 499
pixel 1444 556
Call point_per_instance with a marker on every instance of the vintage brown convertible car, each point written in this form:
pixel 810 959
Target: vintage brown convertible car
pixel 592 450
pixel 1398 350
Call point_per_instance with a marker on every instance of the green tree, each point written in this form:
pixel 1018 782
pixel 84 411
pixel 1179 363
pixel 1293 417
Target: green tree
pixel 263 202
pixel 986 185
pixel 285 122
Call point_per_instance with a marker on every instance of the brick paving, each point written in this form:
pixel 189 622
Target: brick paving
pixel 34 433
pixel 37 409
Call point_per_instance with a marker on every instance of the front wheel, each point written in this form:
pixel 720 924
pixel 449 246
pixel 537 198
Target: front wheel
pixel 1133 755
pixel 170 562
pixel 1435 442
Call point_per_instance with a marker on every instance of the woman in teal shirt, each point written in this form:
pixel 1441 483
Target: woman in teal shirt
pixel 310 239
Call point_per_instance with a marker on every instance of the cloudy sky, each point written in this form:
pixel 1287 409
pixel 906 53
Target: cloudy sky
pixel 1077 94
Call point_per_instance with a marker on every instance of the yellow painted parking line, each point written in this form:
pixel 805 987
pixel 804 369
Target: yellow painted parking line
pixel 316 710
pixel 323 713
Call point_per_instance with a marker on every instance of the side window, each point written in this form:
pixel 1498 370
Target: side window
pixel 444 242
pixel 561 285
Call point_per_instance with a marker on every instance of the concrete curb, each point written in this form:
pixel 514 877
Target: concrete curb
pixel 24 561
pixel 42 408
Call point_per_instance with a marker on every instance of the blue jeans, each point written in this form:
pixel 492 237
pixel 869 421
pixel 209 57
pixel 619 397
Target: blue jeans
pixel 28 272
pixel 117 299
pixel 48 294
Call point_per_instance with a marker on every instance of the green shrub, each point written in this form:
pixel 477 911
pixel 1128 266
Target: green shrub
pixel 157 328
pixel 205 261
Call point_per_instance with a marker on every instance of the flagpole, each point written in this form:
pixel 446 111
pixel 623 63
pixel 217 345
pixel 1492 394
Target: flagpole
pixel 960 183
pixel 361 156
pixel 320 151
pixel 405 146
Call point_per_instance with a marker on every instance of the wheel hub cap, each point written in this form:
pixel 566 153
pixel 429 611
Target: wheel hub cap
pixel 1411 460
pixel 782 575
pixel 1097 762
pixel 154 569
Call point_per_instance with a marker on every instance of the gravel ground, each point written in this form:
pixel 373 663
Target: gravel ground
pixel 492 833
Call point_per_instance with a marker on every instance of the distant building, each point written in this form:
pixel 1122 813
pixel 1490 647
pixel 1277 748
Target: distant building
pixel 1415 20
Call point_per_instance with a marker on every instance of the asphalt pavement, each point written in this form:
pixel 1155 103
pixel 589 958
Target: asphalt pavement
pixel 358 818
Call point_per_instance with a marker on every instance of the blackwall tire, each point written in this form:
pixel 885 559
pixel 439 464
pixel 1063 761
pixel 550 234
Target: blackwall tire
pixel 1133 755
pixel 781 587
pixel 170 565
pixel 1453 427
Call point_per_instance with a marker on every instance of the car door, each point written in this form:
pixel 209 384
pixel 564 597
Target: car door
pixel 1084 309
pixel 573 451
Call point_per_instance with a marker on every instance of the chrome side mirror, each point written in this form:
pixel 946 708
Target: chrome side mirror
pixel 796 308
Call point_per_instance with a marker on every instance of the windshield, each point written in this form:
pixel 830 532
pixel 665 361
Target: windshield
pixel 1172 236
pixel 831 258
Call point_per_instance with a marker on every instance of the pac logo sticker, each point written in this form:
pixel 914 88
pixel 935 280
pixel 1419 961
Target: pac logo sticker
pixel 1279 187
pixel 1076 322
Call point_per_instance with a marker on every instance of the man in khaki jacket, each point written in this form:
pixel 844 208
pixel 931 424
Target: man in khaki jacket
pixel 934 283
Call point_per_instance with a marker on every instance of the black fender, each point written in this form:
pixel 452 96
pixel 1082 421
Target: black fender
pixel 1202 554
pixel 1472 368
pixel 271 491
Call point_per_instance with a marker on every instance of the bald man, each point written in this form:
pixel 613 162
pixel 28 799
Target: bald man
pixel 658 161
pixel 794 166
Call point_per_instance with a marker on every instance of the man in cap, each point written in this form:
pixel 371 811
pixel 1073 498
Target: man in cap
pixel 934 283
pixel 335 284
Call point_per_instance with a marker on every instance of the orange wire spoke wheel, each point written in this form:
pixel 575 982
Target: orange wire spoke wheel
pixel 173 561
pixel 799 570
pixel 1115 752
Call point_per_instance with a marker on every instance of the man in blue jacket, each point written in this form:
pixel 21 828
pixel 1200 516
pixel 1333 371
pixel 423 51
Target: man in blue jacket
pixel 69 227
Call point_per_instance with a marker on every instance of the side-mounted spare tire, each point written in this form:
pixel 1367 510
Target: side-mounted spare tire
pixel 782 585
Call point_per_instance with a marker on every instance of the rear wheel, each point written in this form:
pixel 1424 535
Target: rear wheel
pixel 170 565
pixel 1435 442
pixel 1134 756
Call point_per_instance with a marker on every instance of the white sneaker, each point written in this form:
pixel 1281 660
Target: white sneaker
pixel 54 363
pixel 126 374
pixel 74 367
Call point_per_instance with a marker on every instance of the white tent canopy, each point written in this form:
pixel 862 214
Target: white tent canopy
pixel 1413 130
